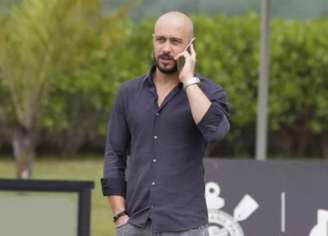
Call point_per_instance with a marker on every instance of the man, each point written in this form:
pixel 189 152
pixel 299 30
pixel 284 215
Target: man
pixel 163 122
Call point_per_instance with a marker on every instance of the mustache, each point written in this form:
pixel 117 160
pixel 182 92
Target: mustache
pixel 166 56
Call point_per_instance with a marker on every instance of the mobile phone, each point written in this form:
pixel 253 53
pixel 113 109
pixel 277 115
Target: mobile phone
pixel 181 60
pixel 187 48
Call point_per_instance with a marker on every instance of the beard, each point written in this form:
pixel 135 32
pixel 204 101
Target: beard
pixel 165 70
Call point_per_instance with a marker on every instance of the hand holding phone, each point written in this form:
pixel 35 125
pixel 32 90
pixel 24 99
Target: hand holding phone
pixel 186 61
pixel 181 59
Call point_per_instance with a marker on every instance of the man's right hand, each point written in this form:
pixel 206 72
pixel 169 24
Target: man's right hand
pixel 122 220
pixel 117 204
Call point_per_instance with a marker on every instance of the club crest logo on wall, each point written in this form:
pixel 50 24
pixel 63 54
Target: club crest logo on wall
pixel 222 223
pixel 321 229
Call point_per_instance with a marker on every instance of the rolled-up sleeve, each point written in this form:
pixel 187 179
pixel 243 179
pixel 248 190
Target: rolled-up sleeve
pixel 116 151
pixel 215 123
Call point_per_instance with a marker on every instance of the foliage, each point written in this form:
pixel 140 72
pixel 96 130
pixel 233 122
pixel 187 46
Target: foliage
pixel 56 62
pixel 299 72
pixel 95 53
pixel 228 53
pixel 41 40
pixel 79 106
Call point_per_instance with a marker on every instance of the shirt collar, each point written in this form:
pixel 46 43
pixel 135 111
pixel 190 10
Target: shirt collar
pixel 148 79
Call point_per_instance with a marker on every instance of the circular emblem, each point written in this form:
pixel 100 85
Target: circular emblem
pixel 222 224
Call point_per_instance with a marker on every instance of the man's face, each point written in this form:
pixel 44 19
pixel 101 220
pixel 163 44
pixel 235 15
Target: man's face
pixel 169 39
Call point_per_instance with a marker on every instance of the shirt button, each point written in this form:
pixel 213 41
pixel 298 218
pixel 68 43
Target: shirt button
pixel 153 183
pixel 157 113
pixel 154 160
pixel 155 137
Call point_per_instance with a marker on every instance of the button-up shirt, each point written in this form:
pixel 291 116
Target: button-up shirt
pixel 154 153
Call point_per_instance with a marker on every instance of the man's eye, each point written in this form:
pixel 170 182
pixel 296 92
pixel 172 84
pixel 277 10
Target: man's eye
pixel 161 40
pixel 175 42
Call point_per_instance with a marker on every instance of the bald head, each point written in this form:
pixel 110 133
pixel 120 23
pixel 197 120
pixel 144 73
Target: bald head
pixel 176 21
pixel 172 33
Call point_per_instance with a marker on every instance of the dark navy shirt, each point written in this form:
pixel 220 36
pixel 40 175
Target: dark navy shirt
pixel 154 154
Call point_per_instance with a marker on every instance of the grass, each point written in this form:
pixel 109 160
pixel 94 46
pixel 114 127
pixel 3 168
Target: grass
pixel 72 169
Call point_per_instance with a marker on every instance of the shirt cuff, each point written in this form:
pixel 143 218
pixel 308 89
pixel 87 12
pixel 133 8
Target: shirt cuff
pixel 214 124
pixel 112 186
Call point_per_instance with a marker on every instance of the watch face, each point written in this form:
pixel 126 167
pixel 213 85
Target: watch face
pixel 196 79
pixel 222 224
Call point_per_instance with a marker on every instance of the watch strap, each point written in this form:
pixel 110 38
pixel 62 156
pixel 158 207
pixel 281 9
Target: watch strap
pixel 191 81
pixel 119 214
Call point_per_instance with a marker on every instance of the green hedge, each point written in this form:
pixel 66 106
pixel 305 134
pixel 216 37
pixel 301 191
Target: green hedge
pixel 228 52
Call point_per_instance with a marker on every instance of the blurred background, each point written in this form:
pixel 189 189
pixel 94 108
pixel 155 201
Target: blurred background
pixel 61 62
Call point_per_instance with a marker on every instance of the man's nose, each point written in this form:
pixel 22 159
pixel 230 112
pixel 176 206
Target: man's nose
pixel 166 46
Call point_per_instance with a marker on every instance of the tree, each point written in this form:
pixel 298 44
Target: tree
pixel 40 41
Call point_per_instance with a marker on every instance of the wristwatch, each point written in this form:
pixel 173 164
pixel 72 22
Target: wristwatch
pixel 191 81
pixel 118 215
